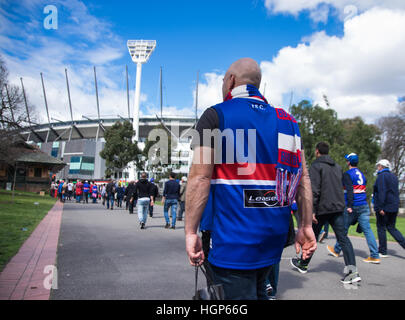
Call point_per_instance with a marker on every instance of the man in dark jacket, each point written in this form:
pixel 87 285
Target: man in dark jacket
pixel 145 198
pixel 110 190
pixel 171 194
pixel 155 193
pixel 329 203
pixel 131 196
pixel 386 205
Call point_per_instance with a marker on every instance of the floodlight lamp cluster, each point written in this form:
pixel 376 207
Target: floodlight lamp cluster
pixel 140 50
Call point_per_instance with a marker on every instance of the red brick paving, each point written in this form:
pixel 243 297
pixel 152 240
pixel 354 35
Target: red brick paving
pixel 23 278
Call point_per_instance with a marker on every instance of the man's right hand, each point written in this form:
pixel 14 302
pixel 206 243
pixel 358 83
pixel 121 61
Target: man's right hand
pixel 194 249
pixel 305 241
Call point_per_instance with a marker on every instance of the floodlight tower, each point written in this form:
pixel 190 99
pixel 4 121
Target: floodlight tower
pixel 140 51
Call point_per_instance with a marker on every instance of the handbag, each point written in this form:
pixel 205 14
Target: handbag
pixel 212 291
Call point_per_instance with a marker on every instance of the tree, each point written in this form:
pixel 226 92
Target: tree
pixel 159 152
pixel 344 136
pixel 13 112
pixel 316 124
pixel 119 149
pixel 393 141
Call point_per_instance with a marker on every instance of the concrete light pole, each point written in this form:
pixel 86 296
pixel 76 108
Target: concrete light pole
pixel 140 51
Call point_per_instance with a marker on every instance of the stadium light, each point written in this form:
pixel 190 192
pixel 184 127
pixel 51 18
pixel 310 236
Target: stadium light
pixel 140 51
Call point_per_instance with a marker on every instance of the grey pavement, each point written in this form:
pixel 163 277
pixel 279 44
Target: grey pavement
pixel 103 254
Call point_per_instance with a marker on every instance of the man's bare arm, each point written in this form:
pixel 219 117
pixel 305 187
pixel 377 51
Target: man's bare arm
pixel 304 197
pixel 305 239
pixel 197 194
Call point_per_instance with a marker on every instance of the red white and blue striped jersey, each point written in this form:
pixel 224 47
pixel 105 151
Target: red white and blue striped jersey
pixel 359 183
pixel 248 223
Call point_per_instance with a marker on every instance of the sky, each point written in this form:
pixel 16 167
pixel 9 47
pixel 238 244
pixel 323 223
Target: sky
pixel 352 51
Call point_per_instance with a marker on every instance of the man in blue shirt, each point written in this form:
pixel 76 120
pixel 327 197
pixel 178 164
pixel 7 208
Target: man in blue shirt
pixel 248 214
pixel 357 209
pixel 386 206
pixel 171 194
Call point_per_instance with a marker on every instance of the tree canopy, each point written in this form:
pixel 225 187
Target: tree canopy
pixel 344 137
pixel 119 149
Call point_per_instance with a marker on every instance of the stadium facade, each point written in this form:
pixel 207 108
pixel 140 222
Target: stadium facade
pixel 79 143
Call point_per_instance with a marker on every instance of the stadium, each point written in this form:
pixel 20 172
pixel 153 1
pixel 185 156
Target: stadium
pixel 79 142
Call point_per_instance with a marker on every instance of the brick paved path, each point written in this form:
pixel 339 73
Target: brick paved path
pixel 24 278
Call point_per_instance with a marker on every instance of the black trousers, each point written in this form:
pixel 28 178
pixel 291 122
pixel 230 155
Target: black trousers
pixel 336 221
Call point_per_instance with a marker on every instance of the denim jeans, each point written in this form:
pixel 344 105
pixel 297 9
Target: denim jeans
pixel 336 221
pixel 110 200
pixel 78 198
pixel 181 209
pixel 242 284
pixel 361 214
pixel 387 223
pixel 272 279
pixel 170 203
pixel 85 197
pixel 143 208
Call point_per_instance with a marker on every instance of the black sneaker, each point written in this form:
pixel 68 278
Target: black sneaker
pixel 167 226
pixel 269 290
pixel 296 263
pixel 142 225
pixel 351 277
pixel 173 227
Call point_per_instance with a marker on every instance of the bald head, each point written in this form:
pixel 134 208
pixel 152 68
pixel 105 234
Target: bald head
pixel 242 71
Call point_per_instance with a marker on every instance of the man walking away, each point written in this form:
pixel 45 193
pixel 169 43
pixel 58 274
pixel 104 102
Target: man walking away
pixel 155 193
pixel 86 191
pixel 79 191
pixel 94 192
pixel 329 203
pixel 171 193
pixel 110 190
pixel 70 190
pixel 245 204
pixel 131 196
pixel 120 195
pixel 357 209
pixel 386 206
pixel 182 200
pixel 144 192
pixel 103 193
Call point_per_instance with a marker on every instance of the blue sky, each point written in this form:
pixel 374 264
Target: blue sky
pixel 305 47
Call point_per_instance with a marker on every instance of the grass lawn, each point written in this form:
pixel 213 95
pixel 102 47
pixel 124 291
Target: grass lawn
pixel 19 220
pixel 400 225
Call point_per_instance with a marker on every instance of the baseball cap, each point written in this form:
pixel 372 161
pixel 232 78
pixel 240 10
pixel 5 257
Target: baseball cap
pixel 352 158
pixel 384 163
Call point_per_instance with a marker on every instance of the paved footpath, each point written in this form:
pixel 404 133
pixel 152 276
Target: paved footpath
pixel 102 254
pixel 28 276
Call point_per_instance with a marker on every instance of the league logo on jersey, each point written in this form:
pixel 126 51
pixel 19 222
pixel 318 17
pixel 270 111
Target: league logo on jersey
pixel 259 198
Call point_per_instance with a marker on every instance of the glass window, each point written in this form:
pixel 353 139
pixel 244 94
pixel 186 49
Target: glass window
pixel 37 172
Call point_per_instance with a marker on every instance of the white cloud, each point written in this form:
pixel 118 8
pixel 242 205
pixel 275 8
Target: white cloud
pixel 77 46
pixel 294 7
pixel 362 73
pixel 209 90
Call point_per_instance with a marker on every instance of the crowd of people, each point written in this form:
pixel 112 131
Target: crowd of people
pixel 140 194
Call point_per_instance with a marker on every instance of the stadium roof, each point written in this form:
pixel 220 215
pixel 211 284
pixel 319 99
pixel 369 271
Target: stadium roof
pixel 92 128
